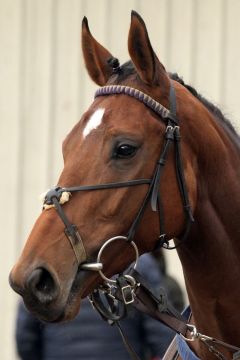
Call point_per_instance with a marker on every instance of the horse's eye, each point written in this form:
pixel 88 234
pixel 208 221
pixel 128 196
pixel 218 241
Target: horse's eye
pixel 124 151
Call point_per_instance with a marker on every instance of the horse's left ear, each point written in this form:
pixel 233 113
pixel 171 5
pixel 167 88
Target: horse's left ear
pixel 142 54
pixel 96 57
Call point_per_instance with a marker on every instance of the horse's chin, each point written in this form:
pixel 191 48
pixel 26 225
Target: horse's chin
pixel 49 314
pixel 68 313
pixel 57 315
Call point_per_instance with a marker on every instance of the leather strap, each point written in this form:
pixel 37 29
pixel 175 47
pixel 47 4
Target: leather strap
pixel 132 353
pixel 72 233
pixel 169 136
pixel 157 307
pixel 181 177
pixel 107 308
pixel 113 185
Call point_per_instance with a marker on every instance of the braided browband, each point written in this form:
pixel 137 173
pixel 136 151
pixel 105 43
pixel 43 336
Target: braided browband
pixel 158 108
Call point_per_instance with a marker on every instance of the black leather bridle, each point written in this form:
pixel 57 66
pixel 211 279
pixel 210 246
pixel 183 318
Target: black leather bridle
pixel 131 289
pixel 172 136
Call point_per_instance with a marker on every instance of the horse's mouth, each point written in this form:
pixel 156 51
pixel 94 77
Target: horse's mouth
pixel 83 284
pixel 78 291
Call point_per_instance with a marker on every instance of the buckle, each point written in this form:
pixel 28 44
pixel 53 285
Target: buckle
pixel 169 132
pixel 126 284
pixel 127 294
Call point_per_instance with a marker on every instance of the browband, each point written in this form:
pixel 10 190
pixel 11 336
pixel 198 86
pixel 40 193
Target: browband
pixel 155 106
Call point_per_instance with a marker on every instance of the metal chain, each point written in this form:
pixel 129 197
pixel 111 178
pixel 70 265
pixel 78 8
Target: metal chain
pixel 213 350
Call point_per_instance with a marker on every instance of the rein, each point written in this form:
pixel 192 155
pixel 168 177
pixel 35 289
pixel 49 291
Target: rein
pixel 113 299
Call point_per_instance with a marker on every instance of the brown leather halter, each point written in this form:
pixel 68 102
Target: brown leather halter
pixel 172 135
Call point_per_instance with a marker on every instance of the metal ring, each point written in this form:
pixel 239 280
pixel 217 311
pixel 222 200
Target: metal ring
pixel 106 244
pixel 193 333
pixel 130 278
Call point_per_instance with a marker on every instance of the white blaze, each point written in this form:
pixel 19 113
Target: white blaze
pixel 94 121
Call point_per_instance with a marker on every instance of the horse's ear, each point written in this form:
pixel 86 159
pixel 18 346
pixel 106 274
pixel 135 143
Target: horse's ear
pixel 95 56
pixel 141 52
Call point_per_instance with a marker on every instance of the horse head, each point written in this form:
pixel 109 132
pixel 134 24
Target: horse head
pixel 117 141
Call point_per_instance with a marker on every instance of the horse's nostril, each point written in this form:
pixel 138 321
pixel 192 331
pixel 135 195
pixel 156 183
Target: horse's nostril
pixel 43 281
pixel 42 285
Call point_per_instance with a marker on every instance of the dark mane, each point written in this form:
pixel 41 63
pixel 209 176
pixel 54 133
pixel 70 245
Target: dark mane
pixel 210 106
pixel 128 69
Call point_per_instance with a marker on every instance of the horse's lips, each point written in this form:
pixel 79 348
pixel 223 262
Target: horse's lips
pixel 83 284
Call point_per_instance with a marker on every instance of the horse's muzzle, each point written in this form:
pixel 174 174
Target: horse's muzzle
pixel 41 292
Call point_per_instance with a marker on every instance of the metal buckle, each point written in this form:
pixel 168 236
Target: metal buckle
pixel 169 128
pixel 128 290
pixel 127 294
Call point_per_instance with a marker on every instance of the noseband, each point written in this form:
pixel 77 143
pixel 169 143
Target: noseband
pixel 55 197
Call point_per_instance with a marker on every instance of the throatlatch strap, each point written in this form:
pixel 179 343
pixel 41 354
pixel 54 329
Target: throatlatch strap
pixel 181 177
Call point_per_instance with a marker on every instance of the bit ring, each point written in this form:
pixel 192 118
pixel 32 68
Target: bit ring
pixel 109 241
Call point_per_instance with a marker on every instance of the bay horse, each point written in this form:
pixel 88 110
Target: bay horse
pixel 112 187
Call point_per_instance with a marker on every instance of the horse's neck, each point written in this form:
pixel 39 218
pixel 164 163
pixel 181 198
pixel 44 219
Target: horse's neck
pixel 211 255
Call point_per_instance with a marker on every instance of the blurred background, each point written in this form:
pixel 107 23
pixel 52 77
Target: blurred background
pixel 44 88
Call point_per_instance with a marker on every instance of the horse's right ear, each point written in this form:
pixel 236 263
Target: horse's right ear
pixel 96 57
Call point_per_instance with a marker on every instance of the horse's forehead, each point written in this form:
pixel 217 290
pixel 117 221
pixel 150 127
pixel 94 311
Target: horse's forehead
pixel 108 117
pixel 117 111
pixel 93 122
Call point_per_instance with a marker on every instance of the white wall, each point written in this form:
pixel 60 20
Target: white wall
pixel 44 89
